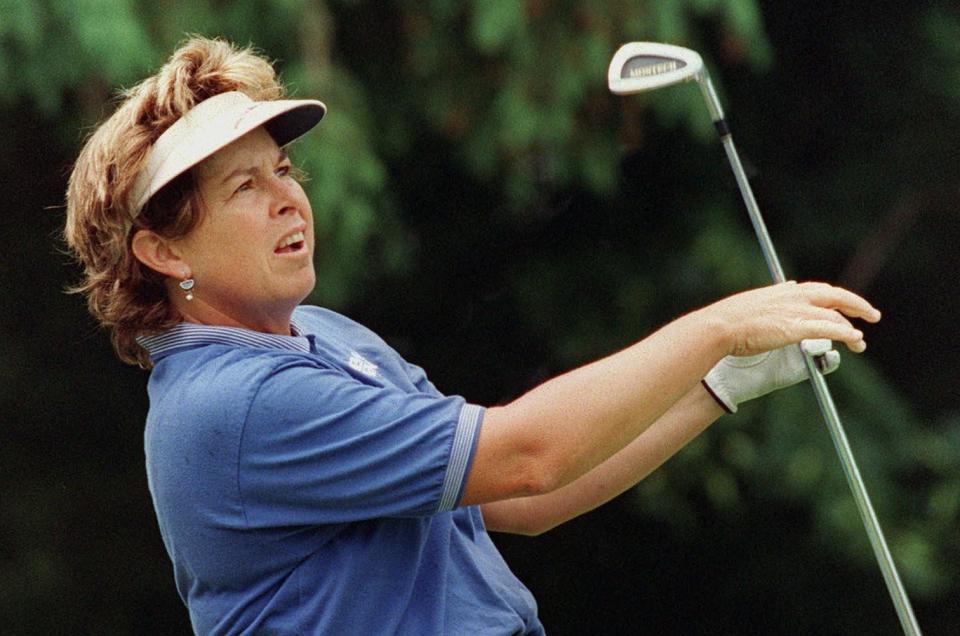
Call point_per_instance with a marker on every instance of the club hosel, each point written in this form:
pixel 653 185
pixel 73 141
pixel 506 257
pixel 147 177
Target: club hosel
pixel 713 103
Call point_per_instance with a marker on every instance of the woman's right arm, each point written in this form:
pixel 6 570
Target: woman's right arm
pixel 562 429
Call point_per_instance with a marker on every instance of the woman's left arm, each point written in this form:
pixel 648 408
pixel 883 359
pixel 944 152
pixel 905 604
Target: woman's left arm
pixel 686 419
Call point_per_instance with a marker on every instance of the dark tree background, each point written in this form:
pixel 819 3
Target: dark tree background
pixel 488 207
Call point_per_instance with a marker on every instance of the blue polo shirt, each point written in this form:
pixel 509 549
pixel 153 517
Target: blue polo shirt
pixel 310 484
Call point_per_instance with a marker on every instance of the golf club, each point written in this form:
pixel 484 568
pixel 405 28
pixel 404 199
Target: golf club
pixel 644 66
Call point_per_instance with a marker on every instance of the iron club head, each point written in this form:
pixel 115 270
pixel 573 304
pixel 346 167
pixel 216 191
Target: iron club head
pixel 645 66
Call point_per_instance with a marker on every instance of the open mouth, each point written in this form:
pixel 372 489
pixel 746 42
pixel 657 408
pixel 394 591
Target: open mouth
pixel 293 243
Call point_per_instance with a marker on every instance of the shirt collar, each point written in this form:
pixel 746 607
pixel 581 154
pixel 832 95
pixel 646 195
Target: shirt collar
pixel 189 335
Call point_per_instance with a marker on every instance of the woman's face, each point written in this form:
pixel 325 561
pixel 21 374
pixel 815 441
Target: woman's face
pixel 251 255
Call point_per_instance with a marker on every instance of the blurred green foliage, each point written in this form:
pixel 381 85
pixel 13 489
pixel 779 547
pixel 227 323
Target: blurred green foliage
pixel 479 192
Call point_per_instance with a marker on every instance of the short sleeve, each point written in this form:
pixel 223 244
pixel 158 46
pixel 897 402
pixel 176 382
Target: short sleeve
pixel 319 446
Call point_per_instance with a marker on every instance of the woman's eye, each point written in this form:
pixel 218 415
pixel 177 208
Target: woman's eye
pixel 284 171
pixel 246 185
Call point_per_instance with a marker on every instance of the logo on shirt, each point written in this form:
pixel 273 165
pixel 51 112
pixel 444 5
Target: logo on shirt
pixel 361 364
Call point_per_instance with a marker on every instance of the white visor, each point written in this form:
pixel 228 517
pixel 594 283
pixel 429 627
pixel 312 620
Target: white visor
pixel 213 124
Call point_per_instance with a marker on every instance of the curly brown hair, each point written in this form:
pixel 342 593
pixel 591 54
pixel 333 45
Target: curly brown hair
pixel 123 294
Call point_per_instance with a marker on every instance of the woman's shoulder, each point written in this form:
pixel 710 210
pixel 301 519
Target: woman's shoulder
pixel 214 388
pixel 220 376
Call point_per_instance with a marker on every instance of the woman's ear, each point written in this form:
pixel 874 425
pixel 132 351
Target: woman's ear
pixel 155 252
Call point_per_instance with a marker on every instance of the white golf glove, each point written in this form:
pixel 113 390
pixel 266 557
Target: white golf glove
pixel 736 379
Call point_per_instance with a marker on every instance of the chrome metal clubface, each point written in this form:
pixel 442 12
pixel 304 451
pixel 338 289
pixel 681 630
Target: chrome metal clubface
pixel 645 66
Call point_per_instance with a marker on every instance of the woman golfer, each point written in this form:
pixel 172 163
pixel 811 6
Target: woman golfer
pixel 306 478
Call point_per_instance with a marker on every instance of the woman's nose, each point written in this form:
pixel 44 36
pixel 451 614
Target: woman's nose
pixel 282 199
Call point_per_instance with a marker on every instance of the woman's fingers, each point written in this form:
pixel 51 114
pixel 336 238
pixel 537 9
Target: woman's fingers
pixel 769 318
pixel 843 300
pixel 840 331
pixel 820 322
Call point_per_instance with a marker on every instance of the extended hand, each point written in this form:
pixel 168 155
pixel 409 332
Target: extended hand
pixel 772 317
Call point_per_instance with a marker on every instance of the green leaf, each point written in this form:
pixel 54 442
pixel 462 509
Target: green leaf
pixel 494 23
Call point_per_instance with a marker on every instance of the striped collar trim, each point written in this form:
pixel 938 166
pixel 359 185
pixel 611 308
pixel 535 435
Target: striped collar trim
pixel 188 334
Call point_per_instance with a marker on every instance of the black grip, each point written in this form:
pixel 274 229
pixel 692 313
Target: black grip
pixel 722 128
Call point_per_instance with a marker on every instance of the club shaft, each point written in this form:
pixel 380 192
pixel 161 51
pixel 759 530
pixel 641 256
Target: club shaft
pixel 885 560
pixel 887 566
pixel 759 227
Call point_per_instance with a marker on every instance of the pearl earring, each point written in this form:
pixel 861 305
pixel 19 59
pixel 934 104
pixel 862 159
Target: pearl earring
pixel 187 286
